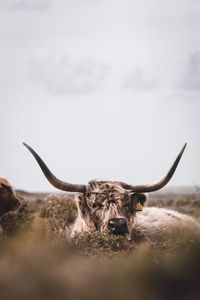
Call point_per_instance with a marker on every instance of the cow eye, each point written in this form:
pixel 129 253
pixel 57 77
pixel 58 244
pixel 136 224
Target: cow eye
pixel 97 205
pixel 127 206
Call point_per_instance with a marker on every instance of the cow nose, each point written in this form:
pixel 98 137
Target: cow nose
pixel 117 226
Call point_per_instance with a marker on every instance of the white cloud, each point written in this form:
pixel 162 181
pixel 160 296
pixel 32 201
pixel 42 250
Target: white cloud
pixel 138 80
pixel 59 75
pixel 191 78
pixel 25 4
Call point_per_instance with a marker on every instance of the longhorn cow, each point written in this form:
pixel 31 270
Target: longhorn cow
pixel 118 208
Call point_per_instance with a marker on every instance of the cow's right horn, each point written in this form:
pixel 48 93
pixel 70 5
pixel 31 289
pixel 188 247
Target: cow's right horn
pixel 61 185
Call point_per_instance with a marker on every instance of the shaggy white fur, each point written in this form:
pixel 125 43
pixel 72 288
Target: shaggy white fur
pixel 157 223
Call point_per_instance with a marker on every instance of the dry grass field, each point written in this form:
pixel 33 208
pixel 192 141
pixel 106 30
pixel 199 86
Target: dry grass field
pixel 38 261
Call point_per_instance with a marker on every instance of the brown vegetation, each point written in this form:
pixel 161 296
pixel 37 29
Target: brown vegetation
pixel 41 264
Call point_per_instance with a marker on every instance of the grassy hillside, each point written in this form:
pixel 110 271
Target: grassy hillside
pixel 38 262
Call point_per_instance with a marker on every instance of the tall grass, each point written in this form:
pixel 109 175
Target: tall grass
pixel 39 263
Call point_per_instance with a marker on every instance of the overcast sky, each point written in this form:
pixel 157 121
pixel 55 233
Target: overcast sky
pixel 104 89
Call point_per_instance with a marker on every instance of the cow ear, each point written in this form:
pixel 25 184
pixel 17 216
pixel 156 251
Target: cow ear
pixel 82 203
pixel 139 201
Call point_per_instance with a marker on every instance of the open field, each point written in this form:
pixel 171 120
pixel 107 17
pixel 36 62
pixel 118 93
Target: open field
pixel 37 261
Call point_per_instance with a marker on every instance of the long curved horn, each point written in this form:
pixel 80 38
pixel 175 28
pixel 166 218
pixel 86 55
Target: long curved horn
pixel 61 185
pixel 157 185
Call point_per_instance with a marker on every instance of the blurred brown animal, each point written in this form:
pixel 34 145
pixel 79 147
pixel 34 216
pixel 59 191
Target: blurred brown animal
pixel 8 198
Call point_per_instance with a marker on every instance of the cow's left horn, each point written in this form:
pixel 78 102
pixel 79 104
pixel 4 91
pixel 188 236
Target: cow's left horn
pixel 158 185
pixel 61 185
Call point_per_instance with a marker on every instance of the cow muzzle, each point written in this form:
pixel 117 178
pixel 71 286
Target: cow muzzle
pixel 118 226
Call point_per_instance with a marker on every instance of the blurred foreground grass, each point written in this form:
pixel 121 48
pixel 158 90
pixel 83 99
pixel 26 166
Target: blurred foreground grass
pixel 38 262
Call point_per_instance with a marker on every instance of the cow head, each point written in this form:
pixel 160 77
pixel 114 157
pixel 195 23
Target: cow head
pixel 108 205
pixel 8 198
